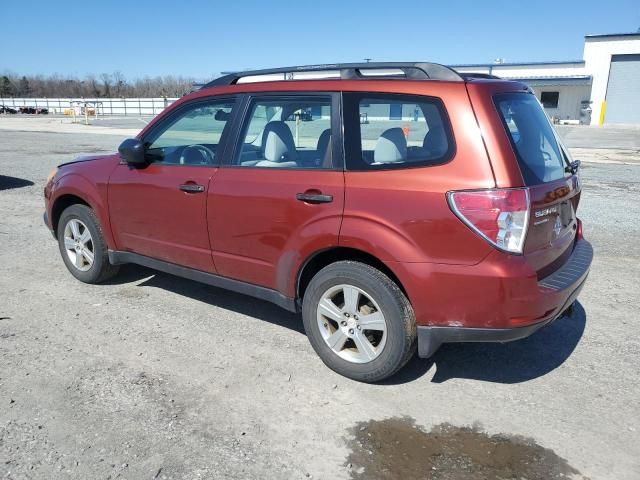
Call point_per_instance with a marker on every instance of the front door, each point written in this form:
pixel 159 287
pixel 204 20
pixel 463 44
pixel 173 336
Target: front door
pixel 159 210
pixel 281 196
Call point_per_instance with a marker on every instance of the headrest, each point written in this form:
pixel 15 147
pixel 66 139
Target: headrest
pixel 277 142
pixel 435 141
pixel 391 146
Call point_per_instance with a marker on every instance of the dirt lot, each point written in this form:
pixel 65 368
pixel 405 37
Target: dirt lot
pixel 152 376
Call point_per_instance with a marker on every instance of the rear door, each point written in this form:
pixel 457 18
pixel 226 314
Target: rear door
pixel 554 190
pixel 159 209
pixel 281 196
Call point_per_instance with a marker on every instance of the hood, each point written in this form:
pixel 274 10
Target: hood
pixel 87 158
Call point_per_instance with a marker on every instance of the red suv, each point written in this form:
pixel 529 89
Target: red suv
pixel 394 205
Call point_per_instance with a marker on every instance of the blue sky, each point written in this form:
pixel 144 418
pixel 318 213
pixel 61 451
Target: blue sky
pixel 201 38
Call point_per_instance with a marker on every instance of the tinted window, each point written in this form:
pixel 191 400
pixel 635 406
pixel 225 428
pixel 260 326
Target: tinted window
pixel 192 138
pixel 287 133
pixel 532 136
pixel 395 131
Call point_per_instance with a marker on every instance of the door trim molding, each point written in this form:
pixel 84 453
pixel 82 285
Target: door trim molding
pixel 119 257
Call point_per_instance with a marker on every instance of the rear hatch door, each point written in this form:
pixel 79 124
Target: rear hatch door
pixel 548 172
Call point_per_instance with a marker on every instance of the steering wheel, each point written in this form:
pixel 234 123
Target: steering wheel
pixel 205 152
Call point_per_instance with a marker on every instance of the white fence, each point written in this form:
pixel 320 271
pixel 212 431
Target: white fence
pixel 103 106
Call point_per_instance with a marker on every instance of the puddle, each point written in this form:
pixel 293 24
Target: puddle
pixel 396 448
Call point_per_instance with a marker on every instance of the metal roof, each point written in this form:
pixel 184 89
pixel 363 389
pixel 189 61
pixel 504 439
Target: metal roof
pixel 605 35
pixel 553 77
pixel 518 64
pixel 543 80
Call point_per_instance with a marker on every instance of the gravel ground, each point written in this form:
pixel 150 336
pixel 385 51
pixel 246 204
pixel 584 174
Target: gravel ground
pixel 152 376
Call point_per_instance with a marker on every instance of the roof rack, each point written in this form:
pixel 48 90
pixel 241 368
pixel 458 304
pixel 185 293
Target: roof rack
pixel 472 75
pixel 351 71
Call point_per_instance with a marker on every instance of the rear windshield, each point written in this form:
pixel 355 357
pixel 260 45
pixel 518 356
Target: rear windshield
pixel 534 140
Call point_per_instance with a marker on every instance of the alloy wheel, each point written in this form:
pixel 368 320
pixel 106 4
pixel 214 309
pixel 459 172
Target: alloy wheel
pixel 351 323
pixel 78 244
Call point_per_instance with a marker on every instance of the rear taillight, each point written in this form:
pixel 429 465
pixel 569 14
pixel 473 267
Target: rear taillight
pixel 500 216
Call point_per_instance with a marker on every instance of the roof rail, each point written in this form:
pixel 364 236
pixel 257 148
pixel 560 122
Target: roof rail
pixel 351 71
pixel 472 75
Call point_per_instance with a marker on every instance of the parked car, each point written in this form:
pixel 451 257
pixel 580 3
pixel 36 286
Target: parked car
pixel 34 110
pixel 449 216
pixel 6 109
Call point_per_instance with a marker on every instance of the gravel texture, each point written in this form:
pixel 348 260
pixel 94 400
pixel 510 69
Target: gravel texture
pixel 152 376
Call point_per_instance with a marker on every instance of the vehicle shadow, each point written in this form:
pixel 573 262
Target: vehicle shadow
pixel 218 297
pixel 508 363
pixel 7 183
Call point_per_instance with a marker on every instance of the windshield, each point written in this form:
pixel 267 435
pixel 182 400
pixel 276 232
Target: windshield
pixel 535 143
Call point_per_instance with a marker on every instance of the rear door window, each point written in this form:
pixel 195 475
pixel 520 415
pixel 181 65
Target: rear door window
pixel 385 131
pixel 533 138
pixel 287 132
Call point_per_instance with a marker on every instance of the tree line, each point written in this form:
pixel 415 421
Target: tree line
pixel 105 85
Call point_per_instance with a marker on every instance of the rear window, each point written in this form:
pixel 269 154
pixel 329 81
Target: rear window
pixel 532 136
pixel 386 131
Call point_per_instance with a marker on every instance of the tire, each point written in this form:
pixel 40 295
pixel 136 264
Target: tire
pixel 84 220
pixel 374 293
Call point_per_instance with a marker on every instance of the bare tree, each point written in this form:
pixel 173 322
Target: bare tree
pixel 92 86
pixel 119 83
pixel 7 88
pixel 24 88
pixel 106 83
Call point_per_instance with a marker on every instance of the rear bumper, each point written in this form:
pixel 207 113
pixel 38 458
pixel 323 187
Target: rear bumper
pixel 557 291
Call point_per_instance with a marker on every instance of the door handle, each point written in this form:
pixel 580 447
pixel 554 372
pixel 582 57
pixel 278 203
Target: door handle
pixel 191 188
pixel 314 198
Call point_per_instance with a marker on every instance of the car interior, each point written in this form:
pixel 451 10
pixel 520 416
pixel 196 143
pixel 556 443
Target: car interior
pixel 294 134
pixel 192 139
pixel 288 135
pixel 407 142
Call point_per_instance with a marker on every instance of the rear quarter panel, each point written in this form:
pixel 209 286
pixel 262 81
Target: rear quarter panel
pixel 503 161
pixel 402 215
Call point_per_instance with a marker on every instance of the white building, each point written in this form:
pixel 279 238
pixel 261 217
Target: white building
pixel 603 88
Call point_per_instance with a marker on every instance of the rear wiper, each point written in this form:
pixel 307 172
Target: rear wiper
pixel 573 167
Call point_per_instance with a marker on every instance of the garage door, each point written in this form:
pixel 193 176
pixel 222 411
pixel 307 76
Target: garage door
pixel 623 91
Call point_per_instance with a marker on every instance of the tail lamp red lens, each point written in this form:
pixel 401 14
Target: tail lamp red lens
pixel 500 216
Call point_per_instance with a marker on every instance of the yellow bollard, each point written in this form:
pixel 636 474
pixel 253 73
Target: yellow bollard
pixel 602 109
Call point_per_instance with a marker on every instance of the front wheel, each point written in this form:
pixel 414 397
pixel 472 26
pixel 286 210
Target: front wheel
pixel 359 321
pixel 82 245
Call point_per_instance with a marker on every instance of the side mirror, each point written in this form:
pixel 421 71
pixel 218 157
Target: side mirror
pixel 132 151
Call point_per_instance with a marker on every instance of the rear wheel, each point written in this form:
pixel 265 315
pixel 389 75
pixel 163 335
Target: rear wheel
pixel 359 321
pixel 82 245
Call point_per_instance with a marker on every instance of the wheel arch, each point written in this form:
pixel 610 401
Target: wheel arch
pixel 61 204
pixel 318 260
pixel 74 188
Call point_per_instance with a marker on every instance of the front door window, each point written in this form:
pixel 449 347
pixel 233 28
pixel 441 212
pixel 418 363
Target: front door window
pixel 193 137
